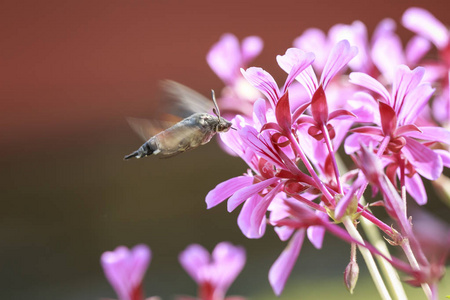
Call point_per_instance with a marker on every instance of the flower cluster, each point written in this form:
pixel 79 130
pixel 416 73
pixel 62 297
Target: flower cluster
pixel 386 105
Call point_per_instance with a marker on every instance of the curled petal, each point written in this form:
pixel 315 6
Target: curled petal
pixel 227 188
pixel 281 269
pixel 425 24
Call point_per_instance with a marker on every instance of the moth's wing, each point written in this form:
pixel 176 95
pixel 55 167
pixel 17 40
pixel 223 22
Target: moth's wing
pixel 185 101
pixel 148 128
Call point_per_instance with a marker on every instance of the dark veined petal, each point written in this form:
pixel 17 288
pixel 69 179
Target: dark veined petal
pixel 281 269
pixel 319 106
pixel 283 113
pixel 388 119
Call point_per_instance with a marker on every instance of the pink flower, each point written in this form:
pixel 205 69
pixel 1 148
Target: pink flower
pixel 125 270
pixel 397 113
pixel 214 273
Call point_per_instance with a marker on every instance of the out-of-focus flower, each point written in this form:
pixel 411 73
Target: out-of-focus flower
pixel 213 273
pixel 125 270
pixel 226 58
pixel 425 25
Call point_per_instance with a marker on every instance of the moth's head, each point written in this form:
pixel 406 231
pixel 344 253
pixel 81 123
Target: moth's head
pixel 223 125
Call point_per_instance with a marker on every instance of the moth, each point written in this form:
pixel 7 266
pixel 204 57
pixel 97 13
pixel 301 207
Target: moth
pixel 190 133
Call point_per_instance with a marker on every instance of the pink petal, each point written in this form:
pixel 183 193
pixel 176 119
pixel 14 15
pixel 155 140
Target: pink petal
pixel 125 268
pixel 365 107
pixel 282 268
pixel 445 156
pixel 251 47
pixel 258 216
pixel 354 141
pixel 404 82
pixel 414 186
pixel 244 218
pixel 264 82
pixel 229 261
pixel 316 233
pixel 414 103
pixel 260 111
pixel 387 54
pixel 431 133
pixel 340 55
pixel 294 61
pixel 356 34
pixel 370 83
pixel 426 162
pixel 227 188
pixel 246 192
pixel 425 24
pixel 314 40
pixel 193 259
pixel 224 58
pixel 416 49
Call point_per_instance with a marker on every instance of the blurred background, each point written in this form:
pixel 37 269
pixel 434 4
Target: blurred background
pixel 71 71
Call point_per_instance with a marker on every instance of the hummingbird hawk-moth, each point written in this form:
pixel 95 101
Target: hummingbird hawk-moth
pixel 193 131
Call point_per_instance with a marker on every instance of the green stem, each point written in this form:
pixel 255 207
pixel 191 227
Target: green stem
pixel 368 258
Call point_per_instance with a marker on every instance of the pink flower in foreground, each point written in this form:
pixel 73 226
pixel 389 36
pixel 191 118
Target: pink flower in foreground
pixel 213 273
pixel 125 270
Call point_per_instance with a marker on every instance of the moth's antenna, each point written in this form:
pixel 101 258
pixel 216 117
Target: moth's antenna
pixel 216 109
